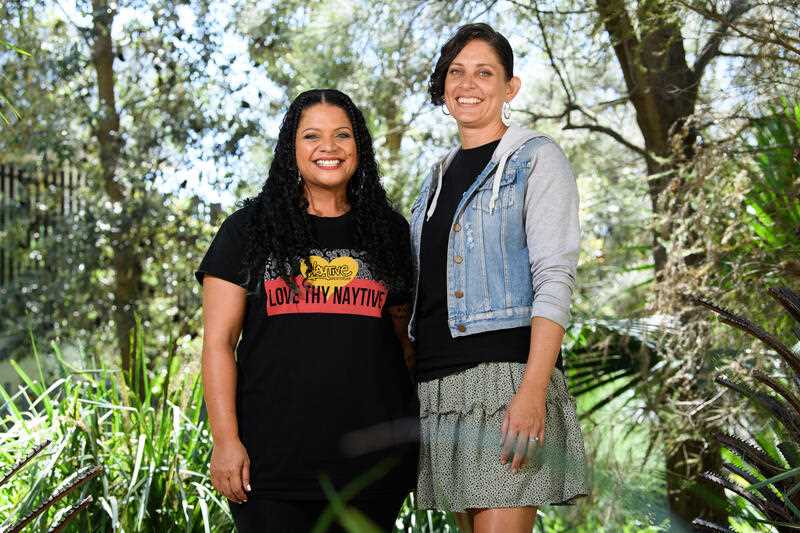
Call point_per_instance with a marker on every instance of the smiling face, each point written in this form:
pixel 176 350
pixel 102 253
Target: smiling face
pixel 325 147
pixel 475 86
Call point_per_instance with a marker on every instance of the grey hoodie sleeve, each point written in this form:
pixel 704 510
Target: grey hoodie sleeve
pixel 553 232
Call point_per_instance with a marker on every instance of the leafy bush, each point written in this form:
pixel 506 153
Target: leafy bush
pixel 155 449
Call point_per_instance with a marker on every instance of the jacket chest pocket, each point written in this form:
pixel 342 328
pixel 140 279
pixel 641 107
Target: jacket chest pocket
pixel 507 194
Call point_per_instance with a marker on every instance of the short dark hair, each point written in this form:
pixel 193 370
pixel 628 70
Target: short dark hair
pixel 456 43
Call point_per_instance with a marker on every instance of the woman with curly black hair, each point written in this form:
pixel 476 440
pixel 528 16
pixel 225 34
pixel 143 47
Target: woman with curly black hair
pixel 313 273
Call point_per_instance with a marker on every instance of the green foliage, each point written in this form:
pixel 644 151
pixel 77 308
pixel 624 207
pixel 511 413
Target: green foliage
pixel 50 88
pixel 178 94
pixel 426 521
pixel 622 353
pixel 70 484
pixel 116 256
pixel 155 449
pixel 4 101
pixel 773 204
pixel 67 289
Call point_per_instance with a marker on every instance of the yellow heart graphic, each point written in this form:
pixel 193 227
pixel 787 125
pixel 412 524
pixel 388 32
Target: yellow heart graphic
pixel 336 273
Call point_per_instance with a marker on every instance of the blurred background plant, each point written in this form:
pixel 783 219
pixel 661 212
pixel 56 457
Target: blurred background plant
pixel 4 101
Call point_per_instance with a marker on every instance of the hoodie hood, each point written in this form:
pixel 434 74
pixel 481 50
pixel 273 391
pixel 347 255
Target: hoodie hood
pixel 514 137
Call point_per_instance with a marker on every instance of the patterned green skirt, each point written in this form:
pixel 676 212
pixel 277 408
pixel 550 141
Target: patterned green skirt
pixel 459 464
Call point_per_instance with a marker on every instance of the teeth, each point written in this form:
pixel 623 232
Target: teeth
pixel 328 162
pixel 464 100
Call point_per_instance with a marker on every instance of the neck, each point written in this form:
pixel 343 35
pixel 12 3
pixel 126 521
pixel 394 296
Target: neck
pixel 472 137
pixel 326 202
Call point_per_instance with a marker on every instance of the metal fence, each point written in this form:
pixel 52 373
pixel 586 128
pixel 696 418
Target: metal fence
pixel 44 199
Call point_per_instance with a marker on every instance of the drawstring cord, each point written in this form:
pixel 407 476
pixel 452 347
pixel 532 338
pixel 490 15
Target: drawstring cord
pixel 498 176
pixel 438 190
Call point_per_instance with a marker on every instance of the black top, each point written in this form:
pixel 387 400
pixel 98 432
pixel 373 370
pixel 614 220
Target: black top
pixel 321 383
pixel 438 353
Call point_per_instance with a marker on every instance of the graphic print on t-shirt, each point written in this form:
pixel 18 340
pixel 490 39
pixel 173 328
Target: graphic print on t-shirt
pixel 337 282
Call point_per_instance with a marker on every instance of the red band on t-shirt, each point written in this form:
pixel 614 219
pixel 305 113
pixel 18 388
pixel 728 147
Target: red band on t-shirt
pixel 361 297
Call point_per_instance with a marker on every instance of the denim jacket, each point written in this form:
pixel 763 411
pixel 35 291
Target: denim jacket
pixel 514 239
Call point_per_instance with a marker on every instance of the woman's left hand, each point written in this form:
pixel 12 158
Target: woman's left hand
pixel 523 427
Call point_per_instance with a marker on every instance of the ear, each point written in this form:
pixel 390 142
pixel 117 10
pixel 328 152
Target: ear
pixel 512 88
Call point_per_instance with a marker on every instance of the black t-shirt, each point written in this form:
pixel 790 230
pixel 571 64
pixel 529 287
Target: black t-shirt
pixel 321 383
pixel 438 353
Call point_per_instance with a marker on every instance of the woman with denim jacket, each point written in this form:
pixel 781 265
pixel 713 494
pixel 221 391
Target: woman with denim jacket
pixel 495 239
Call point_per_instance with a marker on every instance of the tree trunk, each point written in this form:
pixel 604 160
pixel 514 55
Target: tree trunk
pixel 126 263
pixel 690 498
pixel 663 89
pixel 395 131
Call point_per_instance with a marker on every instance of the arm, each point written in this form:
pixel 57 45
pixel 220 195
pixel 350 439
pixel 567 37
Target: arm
pixel 546 337
pixel 400 317
pixel 223 313
pixel 401 314
pixel 553 237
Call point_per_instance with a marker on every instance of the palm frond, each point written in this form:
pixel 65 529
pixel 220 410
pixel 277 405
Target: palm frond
pixel 771 489
pixel 749 327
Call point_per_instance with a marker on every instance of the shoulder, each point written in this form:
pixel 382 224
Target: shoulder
pixel 547 157
pixel 398 221
pixel 241 215
pixel 441 162
pixel 238 220
pixel 395 225
pixel 541 145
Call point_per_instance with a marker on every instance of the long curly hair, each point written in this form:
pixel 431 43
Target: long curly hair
pixel 279 228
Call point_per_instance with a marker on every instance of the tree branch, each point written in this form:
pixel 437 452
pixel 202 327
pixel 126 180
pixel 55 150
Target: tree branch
pixel 613 134
pixel 591 127
pixel 784 40
pixel 763 57
pixel 550 54
pixel 535 117
pixel 618 24
pixel 554 11
pixel 711 48
pixel 620 29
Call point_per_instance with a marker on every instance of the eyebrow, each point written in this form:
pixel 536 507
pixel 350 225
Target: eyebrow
pixel 478 65
pixel 337 129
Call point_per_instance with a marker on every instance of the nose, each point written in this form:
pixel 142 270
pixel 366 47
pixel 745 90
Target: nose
pixel 328 144
pixel 468 82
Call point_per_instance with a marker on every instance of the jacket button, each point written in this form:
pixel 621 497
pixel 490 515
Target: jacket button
pixel 461 327
pixel 456 227
pixel 458 259
pixel 459 294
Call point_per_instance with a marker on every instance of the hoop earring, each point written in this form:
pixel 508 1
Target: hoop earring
pixel 506 112
pixel 444 110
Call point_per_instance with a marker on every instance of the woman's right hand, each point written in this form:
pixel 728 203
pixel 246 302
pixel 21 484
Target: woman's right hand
pixel 230 470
